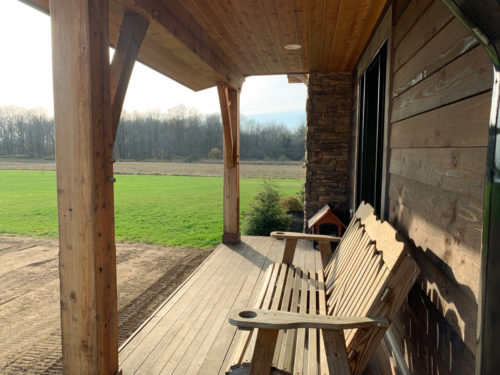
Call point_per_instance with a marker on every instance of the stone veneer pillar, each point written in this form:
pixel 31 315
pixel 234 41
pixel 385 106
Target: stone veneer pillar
pixel 327 143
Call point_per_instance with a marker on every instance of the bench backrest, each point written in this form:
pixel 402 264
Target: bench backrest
pixel 370 274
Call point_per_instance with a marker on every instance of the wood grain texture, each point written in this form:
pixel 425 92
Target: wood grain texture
pixel 263 352
pixel 440 104
pixel 258 318
pixel 201 43
pixel 433 19
pixel 466 76
pixel 406 13
pixel 374 11
pixel 179 23
pixel 304 236
pixel 459 261
pixel 461 124
pixel 460 170
pixel 336 355
pixel 289 251
pixel 225 111
pixel 132 33
pixel 84 148
pixel 454 213
pixel 449 43
pixel 231 201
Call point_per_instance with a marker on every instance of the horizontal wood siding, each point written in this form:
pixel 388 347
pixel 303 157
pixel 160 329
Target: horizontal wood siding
pixel 441 94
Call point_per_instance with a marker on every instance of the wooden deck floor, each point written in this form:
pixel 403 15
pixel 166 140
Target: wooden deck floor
pixel 189 333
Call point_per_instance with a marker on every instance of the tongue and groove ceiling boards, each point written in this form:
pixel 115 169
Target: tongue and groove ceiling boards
pixel 202 42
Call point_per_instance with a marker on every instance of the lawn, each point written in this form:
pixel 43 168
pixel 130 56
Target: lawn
pixel 169 210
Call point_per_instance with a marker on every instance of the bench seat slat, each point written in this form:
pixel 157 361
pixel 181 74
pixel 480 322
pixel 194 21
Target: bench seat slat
pixel 240 348
pixel 312 361
pixel 266 303
pixel 288 347
pixel 285 305
pixel 301 332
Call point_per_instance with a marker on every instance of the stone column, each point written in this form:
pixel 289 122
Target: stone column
pixel 327 143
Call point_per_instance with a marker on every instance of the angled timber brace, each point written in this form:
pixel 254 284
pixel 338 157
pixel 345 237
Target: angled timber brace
pixel 230 153
pixel 132 32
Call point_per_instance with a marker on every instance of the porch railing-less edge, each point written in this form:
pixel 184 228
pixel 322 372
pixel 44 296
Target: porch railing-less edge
pixel 482 19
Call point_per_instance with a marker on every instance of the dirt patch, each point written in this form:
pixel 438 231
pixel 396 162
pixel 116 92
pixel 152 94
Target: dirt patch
pixel 29 296
pixel 177 169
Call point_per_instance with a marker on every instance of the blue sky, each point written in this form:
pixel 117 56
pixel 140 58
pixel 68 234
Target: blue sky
pixel 26 77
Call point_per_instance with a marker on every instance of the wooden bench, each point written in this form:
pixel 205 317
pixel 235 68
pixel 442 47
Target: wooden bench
pixel 327 322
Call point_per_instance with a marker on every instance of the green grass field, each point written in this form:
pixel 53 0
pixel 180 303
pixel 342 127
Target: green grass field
pixel 169 210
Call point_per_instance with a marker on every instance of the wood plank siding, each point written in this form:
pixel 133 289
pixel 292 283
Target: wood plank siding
pixel 440 95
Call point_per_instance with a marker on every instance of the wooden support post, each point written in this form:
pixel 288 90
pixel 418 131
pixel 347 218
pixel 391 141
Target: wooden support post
pixel 84 150
pixel 132 33
pixel 230 104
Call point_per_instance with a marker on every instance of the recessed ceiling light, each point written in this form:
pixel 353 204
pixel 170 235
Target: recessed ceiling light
pixel 293 47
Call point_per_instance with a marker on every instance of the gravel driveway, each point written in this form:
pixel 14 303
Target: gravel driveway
pixel 30 338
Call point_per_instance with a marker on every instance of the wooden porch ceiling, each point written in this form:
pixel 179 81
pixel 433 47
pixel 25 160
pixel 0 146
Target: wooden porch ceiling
pixel 200 43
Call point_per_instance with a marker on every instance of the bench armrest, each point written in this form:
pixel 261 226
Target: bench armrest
pixel 304 236
pixel 258 318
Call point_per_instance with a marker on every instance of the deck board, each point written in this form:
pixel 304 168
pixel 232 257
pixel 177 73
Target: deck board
pixel 189 333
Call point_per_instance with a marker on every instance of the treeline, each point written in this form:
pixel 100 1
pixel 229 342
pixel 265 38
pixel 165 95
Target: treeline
pixel 26 132
pixel 179 134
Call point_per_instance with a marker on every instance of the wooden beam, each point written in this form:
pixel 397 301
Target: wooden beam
pixel 225 112
pixel 40 5
pixel 298 78
pixel 132 32
pixel 172 16
pixel 232 173
pixel 84 149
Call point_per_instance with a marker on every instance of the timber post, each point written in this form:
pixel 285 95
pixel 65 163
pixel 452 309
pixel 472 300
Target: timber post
pixel 84 112
pixel 230 112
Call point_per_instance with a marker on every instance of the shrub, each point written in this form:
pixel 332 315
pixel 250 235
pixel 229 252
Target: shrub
pixel 301 195
pixel 292 204
pixel 266 213
pixel 215 153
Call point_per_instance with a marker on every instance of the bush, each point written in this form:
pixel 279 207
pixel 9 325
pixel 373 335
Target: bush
pixel 215 153
pixel 266 213
pixel 301 195
pixel 292 204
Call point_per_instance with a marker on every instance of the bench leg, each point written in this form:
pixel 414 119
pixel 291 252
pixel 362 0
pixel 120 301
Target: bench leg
pixel 289 252
pixel 326 252
pixel 336 355
pixel 265 344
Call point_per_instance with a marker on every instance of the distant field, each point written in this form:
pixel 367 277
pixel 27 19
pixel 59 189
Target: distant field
pixel 247 169
pixel 156 209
